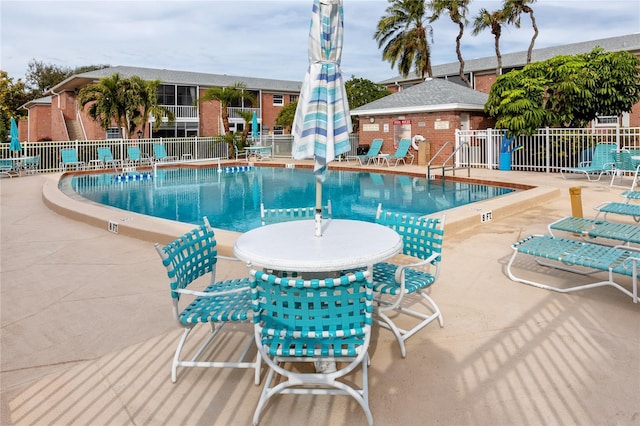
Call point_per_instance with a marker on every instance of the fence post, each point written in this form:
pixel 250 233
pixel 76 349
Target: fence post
pixel 489 142
pixel 547 143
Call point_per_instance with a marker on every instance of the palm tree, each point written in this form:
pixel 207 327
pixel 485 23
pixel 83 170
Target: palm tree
pixel 404 36
pixel 493 20
pixel 513 9
pixel 458 10
pixel 107 99
pixel 247 116
pixel 146 105
pixel 227 96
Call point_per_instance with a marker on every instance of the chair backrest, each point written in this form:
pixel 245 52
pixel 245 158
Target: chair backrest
pixel 159 151
pixel 421 236
pixel 189 257
pixel 32 161
pixel 268 216
pixel 322 308
pixel 69 155
pixel 104 154
pixel 602 158
pixel 374 150
pixel 403 148
pixel 622 160
pixel 134 152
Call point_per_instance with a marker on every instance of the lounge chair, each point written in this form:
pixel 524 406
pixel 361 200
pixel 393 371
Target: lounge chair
pixel 188 258
pixel 315 321
pixel 136 157
pixel 594 231
pixel 422 239
pixel 8 168
pixel 69 158
pixel 31 164
pixel 578 257
pixel 625 209
pixel 401 154
pixel 601 163
pixel 371 155
pixel 624 165
pixel 160 153
pixel 105 157
pixel 268 216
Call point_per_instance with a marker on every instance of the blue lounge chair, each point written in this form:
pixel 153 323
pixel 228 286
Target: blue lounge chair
pixel 578 257
pixel 69 158
pixel 322 320
pixel 601 163
pixel 160 153
pixel 371 155
pixel 8 168
pixel 624 165
pixel 422 239
pixel 136 158
pixel 31 164
pixel 105 157
pixel 188 258
pixel 401 154
pixel 594 231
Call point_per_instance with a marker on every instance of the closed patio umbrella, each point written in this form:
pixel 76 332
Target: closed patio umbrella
pixel 254 126
pixel 322 122
pixel 15 139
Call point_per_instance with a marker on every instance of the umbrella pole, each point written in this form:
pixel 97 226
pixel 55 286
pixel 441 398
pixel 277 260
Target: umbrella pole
pixel 318 215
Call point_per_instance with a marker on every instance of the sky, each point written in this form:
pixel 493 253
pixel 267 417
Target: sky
pixel 266 39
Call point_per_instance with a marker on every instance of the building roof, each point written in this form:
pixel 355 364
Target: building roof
pixel 179 77
pixel 40 101
pixel 629 43
pixel 432 95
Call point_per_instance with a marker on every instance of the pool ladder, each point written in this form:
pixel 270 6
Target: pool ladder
pixel 445 166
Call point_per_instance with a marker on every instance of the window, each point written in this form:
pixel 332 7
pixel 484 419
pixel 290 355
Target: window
pixel 606 120
pixel 186 95
pixel 113 133
pixel 278 130
pixel 293 98
pixel 166 94
pixel 278 100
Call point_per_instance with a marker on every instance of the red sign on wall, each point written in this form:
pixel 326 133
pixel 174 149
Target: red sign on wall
pixel 400 122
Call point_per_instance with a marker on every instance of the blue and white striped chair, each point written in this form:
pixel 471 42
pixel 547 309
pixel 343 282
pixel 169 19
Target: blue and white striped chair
pixel 188 258
pixel 422 238
pixel 313 321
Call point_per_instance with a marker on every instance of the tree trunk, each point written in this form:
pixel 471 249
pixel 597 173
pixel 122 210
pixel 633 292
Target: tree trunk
pixel 459 53
pixel 535 34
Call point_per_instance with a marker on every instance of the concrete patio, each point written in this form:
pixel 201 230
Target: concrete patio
pixel 87 332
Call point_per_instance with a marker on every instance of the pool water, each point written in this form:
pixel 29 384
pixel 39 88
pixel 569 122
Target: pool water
pixel 231 199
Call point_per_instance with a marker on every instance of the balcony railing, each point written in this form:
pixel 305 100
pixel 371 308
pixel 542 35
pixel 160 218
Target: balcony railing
pixel 234 112
pixel 183 111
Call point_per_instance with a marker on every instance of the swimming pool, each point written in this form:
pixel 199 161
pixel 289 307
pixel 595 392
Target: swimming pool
pixel 231 199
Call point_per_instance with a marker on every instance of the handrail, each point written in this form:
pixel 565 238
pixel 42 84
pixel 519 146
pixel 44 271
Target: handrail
pixel 444 163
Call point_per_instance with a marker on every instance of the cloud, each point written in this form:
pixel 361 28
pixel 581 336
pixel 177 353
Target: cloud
pixel 262 38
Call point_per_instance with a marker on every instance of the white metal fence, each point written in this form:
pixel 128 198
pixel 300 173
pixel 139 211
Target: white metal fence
pixel 548 150
pixel 193 148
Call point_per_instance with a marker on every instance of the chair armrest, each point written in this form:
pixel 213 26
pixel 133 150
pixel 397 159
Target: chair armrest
pixel 401 268
pixel 232 259
pixel 211 293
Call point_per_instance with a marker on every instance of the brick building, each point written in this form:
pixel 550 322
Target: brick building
pixel 57 117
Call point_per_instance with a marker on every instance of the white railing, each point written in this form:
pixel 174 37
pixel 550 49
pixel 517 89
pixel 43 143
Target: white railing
pixel 234 111
pixel 183 111
pixel 548 150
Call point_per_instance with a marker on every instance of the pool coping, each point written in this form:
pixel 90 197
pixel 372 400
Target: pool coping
pixel 163 231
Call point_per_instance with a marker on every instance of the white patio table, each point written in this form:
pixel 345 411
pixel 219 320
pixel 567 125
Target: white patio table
pixel 293 246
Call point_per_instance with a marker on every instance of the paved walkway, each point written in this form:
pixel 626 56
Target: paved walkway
pixel 87 333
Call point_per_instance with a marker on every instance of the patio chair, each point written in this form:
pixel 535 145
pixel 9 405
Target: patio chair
pixel 595 231
pixel 401 154
pixel 601 163
pixel 31 164
pixel 160 153
pixel 8 168
pixel 268 216
pixel 422 238
pixel 69 158
pixel 105 157
pixel 312 321
pixel 614 207
pixel 188 258
pixel 136 157
pixel 624 165
pixel 371 155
